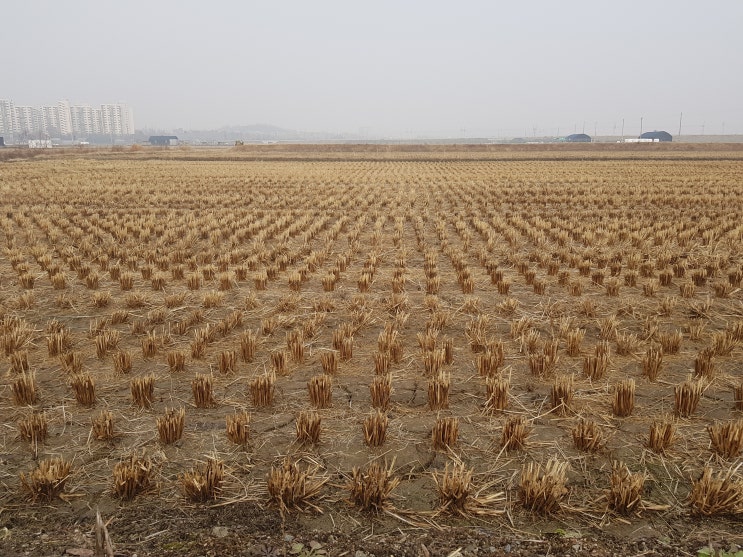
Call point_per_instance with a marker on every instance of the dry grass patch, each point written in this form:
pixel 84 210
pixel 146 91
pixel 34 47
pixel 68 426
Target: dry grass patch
pixel 262 390
pixel 380 390
pixel 170 426
pixel 624 398
pixel 34 429
pixel 445 433
pixel 143 391
pixel 562 394
pixel 370 489
pixel 661 435
pixel 203 483
pixel 320 389
pixel 202 389
pixel 24 389
pixel 726 438
pixel 626 488
pixel 543 492
pixel 308 427
pixel 48 480
pixel 84 388
pixel 588 436
pixel 132 476
pixel 717 494
pixel 438 392
pixel 375 428
pixel 122 362
pixel 687 396
pixel 290 487
pixel 237 427
pixel 514 434
pixel 103 426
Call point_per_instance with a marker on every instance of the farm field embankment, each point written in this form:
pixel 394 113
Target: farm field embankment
pixel 371 349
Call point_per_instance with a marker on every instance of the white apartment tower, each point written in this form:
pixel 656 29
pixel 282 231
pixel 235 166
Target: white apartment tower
pixel 65 120
pixel 8 118
pixel 49 120
pixel 28 121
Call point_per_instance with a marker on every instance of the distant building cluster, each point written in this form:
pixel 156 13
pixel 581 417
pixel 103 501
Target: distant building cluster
pixel 64 120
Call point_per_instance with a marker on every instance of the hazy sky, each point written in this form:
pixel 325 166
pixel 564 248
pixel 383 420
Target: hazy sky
pixel 399 68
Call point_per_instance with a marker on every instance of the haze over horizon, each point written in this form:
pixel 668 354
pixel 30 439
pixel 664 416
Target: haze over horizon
pixel 392 69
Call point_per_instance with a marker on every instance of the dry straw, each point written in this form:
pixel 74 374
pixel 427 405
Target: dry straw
pixel 370 489
pixel 687 396
pixel 84 389
pixel 320 389
pixel 227 362
pixel 627 343
pixel 278 362
pixel 718 494
pixel 47 481
pixel 652 362
pixel 380 390
pixel 455 489
pixel 202 389
pixel 170 426
pixel 176 361
pixel 375 428
pixel 738 396
pixel 34 429
pixel 574 340
pixel 290 487
pixel 588 436
pixel 103 426
pixel 24 389
pixel 132 476
pixel 496 389
pixel 445 433
pixel 438 392
pixel 704 365
pixel 661 435
pixel 514 434
pixel 203 483
pixel 19 362
pixel 329 362
pixel 381 363
pixel 670 342
pixel 248 345
pixel 122 362
pixel 149 345
pixel 295 344
pixel 626 488
pixel 562 394
pixel 262 389
pixel 308 427
pixel 595 367
pixel 726 438
pixel 143 391
pixel 238 427
pixel 624 398
pixel 542 493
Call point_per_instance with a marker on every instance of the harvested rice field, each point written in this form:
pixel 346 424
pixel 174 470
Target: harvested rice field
pixel 374 350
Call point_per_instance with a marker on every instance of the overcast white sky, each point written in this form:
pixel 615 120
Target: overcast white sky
pixel 401 68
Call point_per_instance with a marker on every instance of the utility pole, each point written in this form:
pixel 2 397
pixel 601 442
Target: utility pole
pixel 680 118
pixel 622 129
pixel 641 125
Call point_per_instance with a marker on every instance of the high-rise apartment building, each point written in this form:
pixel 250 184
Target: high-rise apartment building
pixel 8 118
pixel 28 121
pixel 65 120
